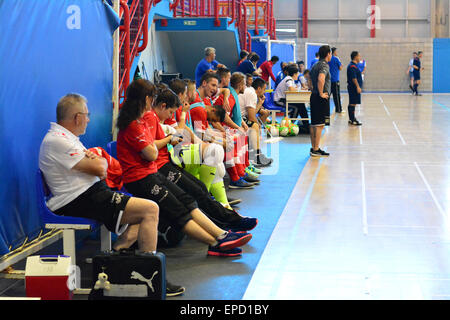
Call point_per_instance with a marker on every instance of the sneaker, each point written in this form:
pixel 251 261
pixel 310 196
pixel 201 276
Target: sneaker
pixel 354 122
pixel 232 240
pixel 253 169
pixel 173 290
pixel 317 153
pixel 251 174
pixel 324 154
pixel 245 224
pixel 214 251
pixel 240 184
pixel 256 165
pixel 251 179
pixel 418 94
pixel 233 202
pixel 262 160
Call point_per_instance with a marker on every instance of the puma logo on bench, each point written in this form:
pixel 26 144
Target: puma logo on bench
pixel 140 277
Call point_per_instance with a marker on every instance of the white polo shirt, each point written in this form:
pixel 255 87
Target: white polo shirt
pixel 283 86
pixel 60 151
pixel 248 99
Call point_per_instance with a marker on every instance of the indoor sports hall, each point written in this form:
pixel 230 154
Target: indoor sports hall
pixel 253 150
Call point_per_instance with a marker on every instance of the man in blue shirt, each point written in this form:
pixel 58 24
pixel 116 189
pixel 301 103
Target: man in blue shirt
pixel 249 65
pixel 362 67
pixel 208 64
pixel 354 86
pixel 314 60
pixel 335 68
pixel 417 65
pixel 281 74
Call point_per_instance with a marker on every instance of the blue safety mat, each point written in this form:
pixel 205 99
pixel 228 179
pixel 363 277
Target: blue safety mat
pixel 47 49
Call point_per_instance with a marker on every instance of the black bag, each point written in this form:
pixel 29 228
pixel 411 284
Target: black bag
pixel 128 275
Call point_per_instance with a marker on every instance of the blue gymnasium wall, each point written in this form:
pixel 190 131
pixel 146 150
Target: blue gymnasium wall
pixel 284 51
pixel 47 49
pixel 441 65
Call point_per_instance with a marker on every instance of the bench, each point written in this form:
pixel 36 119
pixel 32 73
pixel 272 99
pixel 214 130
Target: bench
pixel 270 105
pixel 68 224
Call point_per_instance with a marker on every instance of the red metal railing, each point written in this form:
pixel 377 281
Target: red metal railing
pixel 133 37
pixel 246 14
pixel 305 19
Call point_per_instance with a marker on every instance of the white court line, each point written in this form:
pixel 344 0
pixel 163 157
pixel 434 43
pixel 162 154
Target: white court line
pixel 398 226
pixel 398 132
pixel 384 105
pixel 436 202
pixel 364 203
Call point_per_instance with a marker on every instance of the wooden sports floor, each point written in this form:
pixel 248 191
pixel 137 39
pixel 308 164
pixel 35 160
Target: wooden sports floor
pixel 372 220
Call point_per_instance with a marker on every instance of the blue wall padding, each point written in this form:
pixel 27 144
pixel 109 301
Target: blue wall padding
pixel 311 50
pixel 42 60
pixel 441 65
pixel 260 47
pixel 284 51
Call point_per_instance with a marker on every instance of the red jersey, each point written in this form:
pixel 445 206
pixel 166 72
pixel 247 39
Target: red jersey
pixel 176 117
pixel 130 143
pixel 156 131
pixel 114 171
pixel 231 102
pixel 199 116
pixel 266 71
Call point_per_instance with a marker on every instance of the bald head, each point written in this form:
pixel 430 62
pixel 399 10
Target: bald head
pixel 69 105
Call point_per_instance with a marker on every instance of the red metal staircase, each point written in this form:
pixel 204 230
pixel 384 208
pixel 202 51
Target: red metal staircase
pixel 246 14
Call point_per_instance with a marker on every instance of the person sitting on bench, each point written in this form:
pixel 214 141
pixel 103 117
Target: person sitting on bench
pixel 288 84
pixel 137 153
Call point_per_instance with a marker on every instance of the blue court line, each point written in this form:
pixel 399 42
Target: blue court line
pixel 442 105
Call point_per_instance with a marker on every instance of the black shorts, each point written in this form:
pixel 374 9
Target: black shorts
pixel 353 96
pixel 215 211
pixel 320 110
pixel 416 75
pixel 248 122
pixel 98 203
pixel 175 205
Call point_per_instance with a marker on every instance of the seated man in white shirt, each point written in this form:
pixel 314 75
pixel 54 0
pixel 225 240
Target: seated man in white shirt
pixel 75 178
pixel 251 102
pixel 288 84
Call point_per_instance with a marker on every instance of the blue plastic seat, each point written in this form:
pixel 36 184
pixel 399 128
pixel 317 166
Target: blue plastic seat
pixel 111 148
pixel 269 104
pixel 52 220
pixel 66 223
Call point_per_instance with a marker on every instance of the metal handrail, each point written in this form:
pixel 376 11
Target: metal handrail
pixel 128 51
pixel 124 47
pixel 234 9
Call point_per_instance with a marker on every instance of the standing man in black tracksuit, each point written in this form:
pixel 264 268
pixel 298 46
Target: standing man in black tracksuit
pixel 354 86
